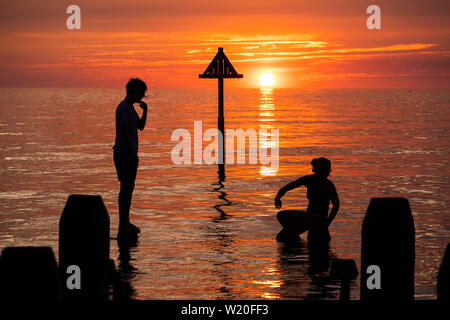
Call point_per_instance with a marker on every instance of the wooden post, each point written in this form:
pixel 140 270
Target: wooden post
pixel 84 242
pixel 387 246
pixel 29 274
pixel 443 280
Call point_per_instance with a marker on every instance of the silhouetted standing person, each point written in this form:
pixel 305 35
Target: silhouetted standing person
pixel 126 158
pixel 320 191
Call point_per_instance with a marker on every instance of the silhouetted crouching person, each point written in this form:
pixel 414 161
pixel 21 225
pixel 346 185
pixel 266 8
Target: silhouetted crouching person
pixel 125 148
pixel 320 191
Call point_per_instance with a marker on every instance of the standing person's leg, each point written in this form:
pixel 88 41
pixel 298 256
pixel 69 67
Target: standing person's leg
pixel 126 167
pixel 125 196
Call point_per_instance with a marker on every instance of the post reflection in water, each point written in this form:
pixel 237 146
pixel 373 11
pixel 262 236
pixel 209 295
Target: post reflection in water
pixel 222 194
pixel 222 236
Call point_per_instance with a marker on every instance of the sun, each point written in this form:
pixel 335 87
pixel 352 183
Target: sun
pixel 266 80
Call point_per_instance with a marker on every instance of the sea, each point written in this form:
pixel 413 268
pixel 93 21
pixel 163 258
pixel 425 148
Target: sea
pixel 207 234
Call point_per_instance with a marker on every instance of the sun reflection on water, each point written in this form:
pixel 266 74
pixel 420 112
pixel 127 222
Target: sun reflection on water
pixel 266 119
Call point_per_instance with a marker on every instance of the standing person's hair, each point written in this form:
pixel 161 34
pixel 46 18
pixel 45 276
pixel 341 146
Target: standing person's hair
pixel 135 85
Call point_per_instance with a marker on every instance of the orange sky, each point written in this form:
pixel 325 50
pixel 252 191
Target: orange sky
pixel 305 44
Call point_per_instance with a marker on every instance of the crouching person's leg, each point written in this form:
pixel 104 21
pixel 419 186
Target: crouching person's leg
pixel 293 223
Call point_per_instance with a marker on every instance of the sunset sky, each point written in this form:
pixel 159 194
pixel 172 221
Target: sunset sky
pixel 304 44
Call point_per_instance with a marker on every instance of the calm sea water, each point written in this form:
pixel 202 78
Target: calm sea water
pixel 206 239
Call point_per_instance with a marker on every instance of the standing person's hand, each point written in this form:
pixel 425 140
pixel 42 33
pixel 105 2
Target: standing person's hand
pixel 143 105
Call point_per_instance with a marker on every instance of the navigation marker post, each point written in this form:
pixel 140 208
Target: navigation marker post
pixel 220 68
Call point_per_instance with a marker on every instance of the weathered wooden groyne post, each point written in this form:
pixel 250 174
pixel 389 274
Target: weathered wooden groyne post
pixel 29 274
pixel 84 248
pixel 388 250
pixel 443 279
